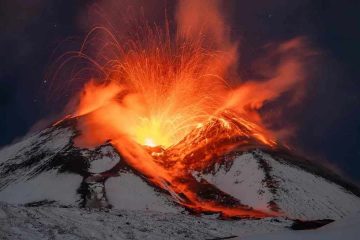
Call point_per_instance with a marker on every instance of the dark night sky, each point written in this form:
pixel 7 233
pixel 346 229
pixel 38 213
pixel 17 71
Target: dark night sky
pixel 328 122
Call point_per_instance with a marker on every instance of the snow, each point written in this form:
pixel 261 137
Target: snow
pixel 41 147
pixel 54 140
pixel 304 195
pixel 129 191
pixel 107 160
pixel 23 185
pixel 141 211
pixel 20 180
pixel 73 223
pixel 51 186
pixel 102 164
pixel 345 229
pixel 298 194
pixel 49 222
pixel 243 181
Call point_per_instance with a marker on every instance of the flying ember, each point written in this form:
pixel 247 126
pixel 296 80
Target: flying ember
pixel 159 97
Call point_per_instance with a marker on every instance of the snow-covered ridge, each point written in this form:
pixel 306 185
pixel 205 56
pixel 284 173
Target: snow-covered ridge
pixel 47 169
pixel 262 182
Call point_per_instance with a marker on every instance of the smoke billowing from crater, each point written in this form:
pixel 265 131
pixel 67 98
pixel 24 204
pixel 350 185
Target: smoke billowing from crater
pixel 164 86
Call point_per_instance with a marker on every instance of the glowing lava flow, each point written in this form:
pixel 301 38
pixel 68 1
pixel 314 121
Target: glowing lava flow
pixel 153 90
pixel 159 93
pixel 178 183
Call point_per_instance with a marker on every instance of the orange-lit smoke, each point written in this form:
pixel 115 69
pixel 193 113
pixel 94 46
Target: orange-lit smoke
pixel 154 87
pixel 156 91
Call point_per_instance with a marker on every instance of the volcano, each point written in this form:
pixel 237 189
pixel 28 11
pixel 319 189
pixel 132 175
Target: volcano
pixel 164 139
pixel 233 176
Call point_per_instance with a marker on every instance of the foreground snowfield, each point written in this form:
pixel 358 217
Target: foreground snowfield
pixel 345 229
pixel 18 223
pixel 52 222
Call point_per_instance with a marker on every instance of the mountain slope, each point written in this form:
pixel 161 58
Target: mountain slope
pixel 263 182
pixel 47 178
pixel 47 168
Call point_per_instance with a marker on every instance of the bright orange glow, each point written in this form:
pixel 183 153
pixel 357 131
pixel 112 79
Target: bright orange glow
pixel 174 92
pixel 160 89
pixel 150 142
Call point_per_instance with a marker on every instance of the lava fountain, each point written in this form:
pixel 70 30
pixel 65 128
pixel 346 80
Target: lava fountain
pixel 153 89
pixel 161 90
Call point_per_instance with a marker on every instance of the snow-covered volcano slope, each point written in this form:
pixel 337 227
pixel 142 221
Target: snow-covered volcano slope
pixel 47 169
pixel 265 182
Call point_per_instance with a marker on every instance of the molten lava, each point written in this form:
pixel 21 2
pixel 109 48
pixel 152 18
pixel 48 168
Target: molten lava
pixel 172 92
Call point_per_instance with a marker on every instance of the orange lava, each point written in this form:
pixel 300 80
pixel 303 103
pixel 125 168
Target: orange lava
pixel 159 89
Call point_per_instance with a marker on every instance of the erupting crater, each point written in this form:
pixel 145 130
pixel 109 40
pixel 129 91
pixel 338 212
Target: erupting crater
pixel 166 121
pixel 171 104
